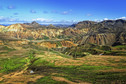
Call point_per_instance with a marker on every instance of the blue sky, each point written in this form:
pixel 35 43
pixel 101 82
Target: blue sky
pixel 60 11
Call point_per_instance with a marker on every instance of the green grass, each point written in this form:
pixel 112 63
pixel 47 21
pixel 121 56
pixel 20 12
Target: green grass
pixel 85 73
pixel 48 80
pixel 60 54
pixel 120 47
pixel 117 53
pixel 16 63
pixel 11 64
pixel 87 67
pixel 91 74
pixel 41 62
pixel 94 49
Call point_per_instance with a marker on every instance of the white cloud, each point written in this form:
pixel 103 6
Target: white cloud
pixel 121 18
pixel 42 20
pixel 98 20
pixel 12 20
pixel 51 21
pixel 9 19
pixel 105 19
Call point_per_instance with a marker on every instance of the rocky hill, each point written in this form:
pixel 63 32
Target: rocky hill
pixel 84 24
pixel 109 32
pixel 34 24
pixel 31 31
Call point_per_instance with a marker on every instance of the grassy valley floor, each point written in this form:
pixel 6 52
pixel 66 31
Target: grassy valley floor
pixel 37 65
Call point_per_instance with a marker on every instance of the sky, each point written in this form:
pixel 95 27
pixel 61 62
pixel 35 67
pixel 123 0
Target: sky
pixel 60 11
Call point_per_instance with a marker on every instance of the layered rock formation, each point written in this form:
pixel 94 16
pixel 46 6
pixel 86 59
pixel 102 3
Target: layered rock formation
pixel 7 39
pixel 108 32
pixel 100 39
pixel 31 32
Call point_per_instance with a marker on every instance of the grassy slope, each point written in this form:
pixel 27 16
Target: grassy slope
pixel 94 49
pixel 48 63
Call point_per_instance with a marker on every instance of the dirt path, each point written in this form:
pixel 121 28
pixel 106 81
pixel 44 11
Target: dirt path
pixel 19 78
pixel 65 80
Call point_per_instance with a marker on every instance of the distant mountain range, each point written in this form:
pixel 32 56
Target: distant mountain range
pixel 57 25
pixel 108 32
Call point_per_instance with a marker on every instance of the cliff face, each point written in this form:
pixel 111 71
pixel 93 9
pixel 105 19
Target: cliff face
pixel 106 33
pixel 100 39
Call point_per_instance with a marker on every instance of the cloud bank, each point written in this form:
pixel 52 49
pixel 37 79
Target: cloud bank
pixel 45 21
pixel 51 21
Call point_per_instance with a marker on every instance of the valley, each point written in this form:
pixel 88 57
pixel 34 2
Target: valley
pixel 84 53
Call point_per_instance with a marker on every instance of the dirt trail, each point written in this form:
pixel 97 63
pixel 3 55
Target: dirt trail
pixel 65 80
pixel 19 78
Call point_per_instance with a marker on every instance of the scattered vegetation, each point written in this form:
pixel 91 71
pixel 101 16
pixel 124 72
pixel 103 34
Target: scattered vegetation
pixel 120 47
pixel 85 73
pixel 43 61
pixel 48 80
pixel 96 50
